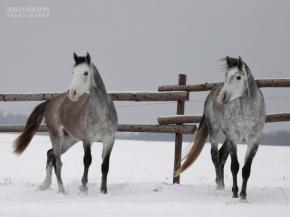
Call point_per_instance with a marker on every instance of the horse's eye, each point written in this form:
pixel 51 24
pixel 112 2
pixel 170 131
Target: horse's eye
pixel 86 73
pixel 239 78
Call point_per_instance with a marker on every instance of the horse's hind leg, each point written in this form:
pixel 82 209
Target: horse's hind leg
pixel 49 164
pixel 57 137
pixel 234 168
pixel 105 170
pixel 61 144
pixel 251 152
pixel 215 156
pixel 58 165
pixel 87 162
pixel 107 148
pixel 223 155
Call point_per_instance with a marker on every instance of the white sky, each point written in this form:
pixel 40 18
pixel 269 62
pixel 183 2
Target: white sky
pixel 139 45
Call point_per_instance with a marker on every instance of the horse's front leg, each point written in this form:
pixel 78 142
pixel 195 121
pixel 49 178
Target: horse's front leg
pixel 251 152
pixel 87 162
pixel 107 148
pixel 234 168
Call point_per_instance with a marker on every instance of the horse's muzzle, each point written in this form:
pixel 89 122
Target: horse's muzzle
pixel 223 97
pixel 72 94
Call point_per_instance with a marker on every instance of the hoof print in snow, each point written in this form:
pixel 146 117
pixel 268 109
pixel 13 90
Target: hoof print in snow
pixel 158 189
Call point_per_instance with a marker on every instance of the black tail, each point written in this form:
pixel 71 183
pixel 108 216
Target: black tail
pixel 32 124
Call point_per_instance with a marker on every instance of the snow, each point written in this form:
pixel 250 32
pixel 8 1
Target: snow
pixel 139 183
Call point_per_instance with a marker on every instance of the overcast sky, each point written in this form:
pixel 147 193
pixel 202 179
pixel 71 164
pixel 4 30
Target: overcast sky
pixel 139 45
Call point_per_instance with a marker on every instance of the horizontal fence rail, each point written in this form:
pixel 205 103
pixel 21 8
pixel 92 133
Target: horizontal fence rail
pixel 178 119
pixel 280 117
pixel 119 96
pixel 186 129
pixel 208 86
pixel 157 128
pixel 270 118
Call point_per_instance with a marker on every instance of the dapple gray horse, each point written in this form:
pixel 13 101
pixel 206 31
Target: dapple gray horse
pixel 236 108
pixel 85 113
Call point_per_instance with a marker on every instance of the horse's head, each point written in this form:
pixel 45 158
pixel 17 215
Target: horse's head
pixel 236 80
pixel 83 77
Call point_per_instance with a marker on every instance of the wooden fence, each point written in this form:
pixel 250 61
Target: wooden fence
pixel 120 96
pixel 179 96
pixel 275 83
pixel 270 118
pixel 179 124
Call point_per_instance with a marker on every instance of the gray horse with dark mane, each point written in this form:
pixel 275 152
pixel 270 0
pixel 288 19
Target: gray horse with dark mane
pixel 236 108
pixel 85 113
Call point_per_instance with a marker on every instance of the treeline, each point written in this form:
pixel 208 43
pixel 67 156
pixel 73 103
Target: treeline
pixel 12 119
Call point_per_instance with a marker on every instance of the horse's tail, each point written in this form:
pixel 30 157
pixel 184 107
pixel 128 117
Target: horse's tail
pixel 199 142
pixel 32 124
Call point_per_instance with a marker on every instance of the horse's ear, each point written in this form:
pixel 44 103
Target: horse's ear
pixel 240 62
pixel 88 58
pixel 75 57
pixel 228 61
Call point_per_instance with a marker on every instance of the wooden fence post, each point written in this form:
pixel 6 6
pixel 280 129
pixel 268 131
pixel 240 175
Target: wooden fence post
pixel 178 136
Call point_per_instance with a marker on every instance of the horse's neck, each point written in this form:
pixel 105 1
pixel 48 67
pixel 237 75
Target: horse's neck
pixel 99 87
pixel 98 94
pixel 99 98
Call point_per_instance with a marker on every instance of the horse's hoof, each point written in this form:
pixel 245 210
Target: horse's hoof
pixel 235 195
pixel 243 196
pixel 43 187
pixel 220 186
pixel 61 190
pixel 104 190
pixel 83 188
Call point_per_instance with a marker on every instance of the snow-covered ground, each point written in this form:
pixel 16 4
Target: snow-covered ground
pixel 139 183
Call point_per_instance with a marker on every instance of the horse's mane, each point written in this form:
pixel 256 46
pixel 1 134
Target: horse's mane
pixel 98 79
